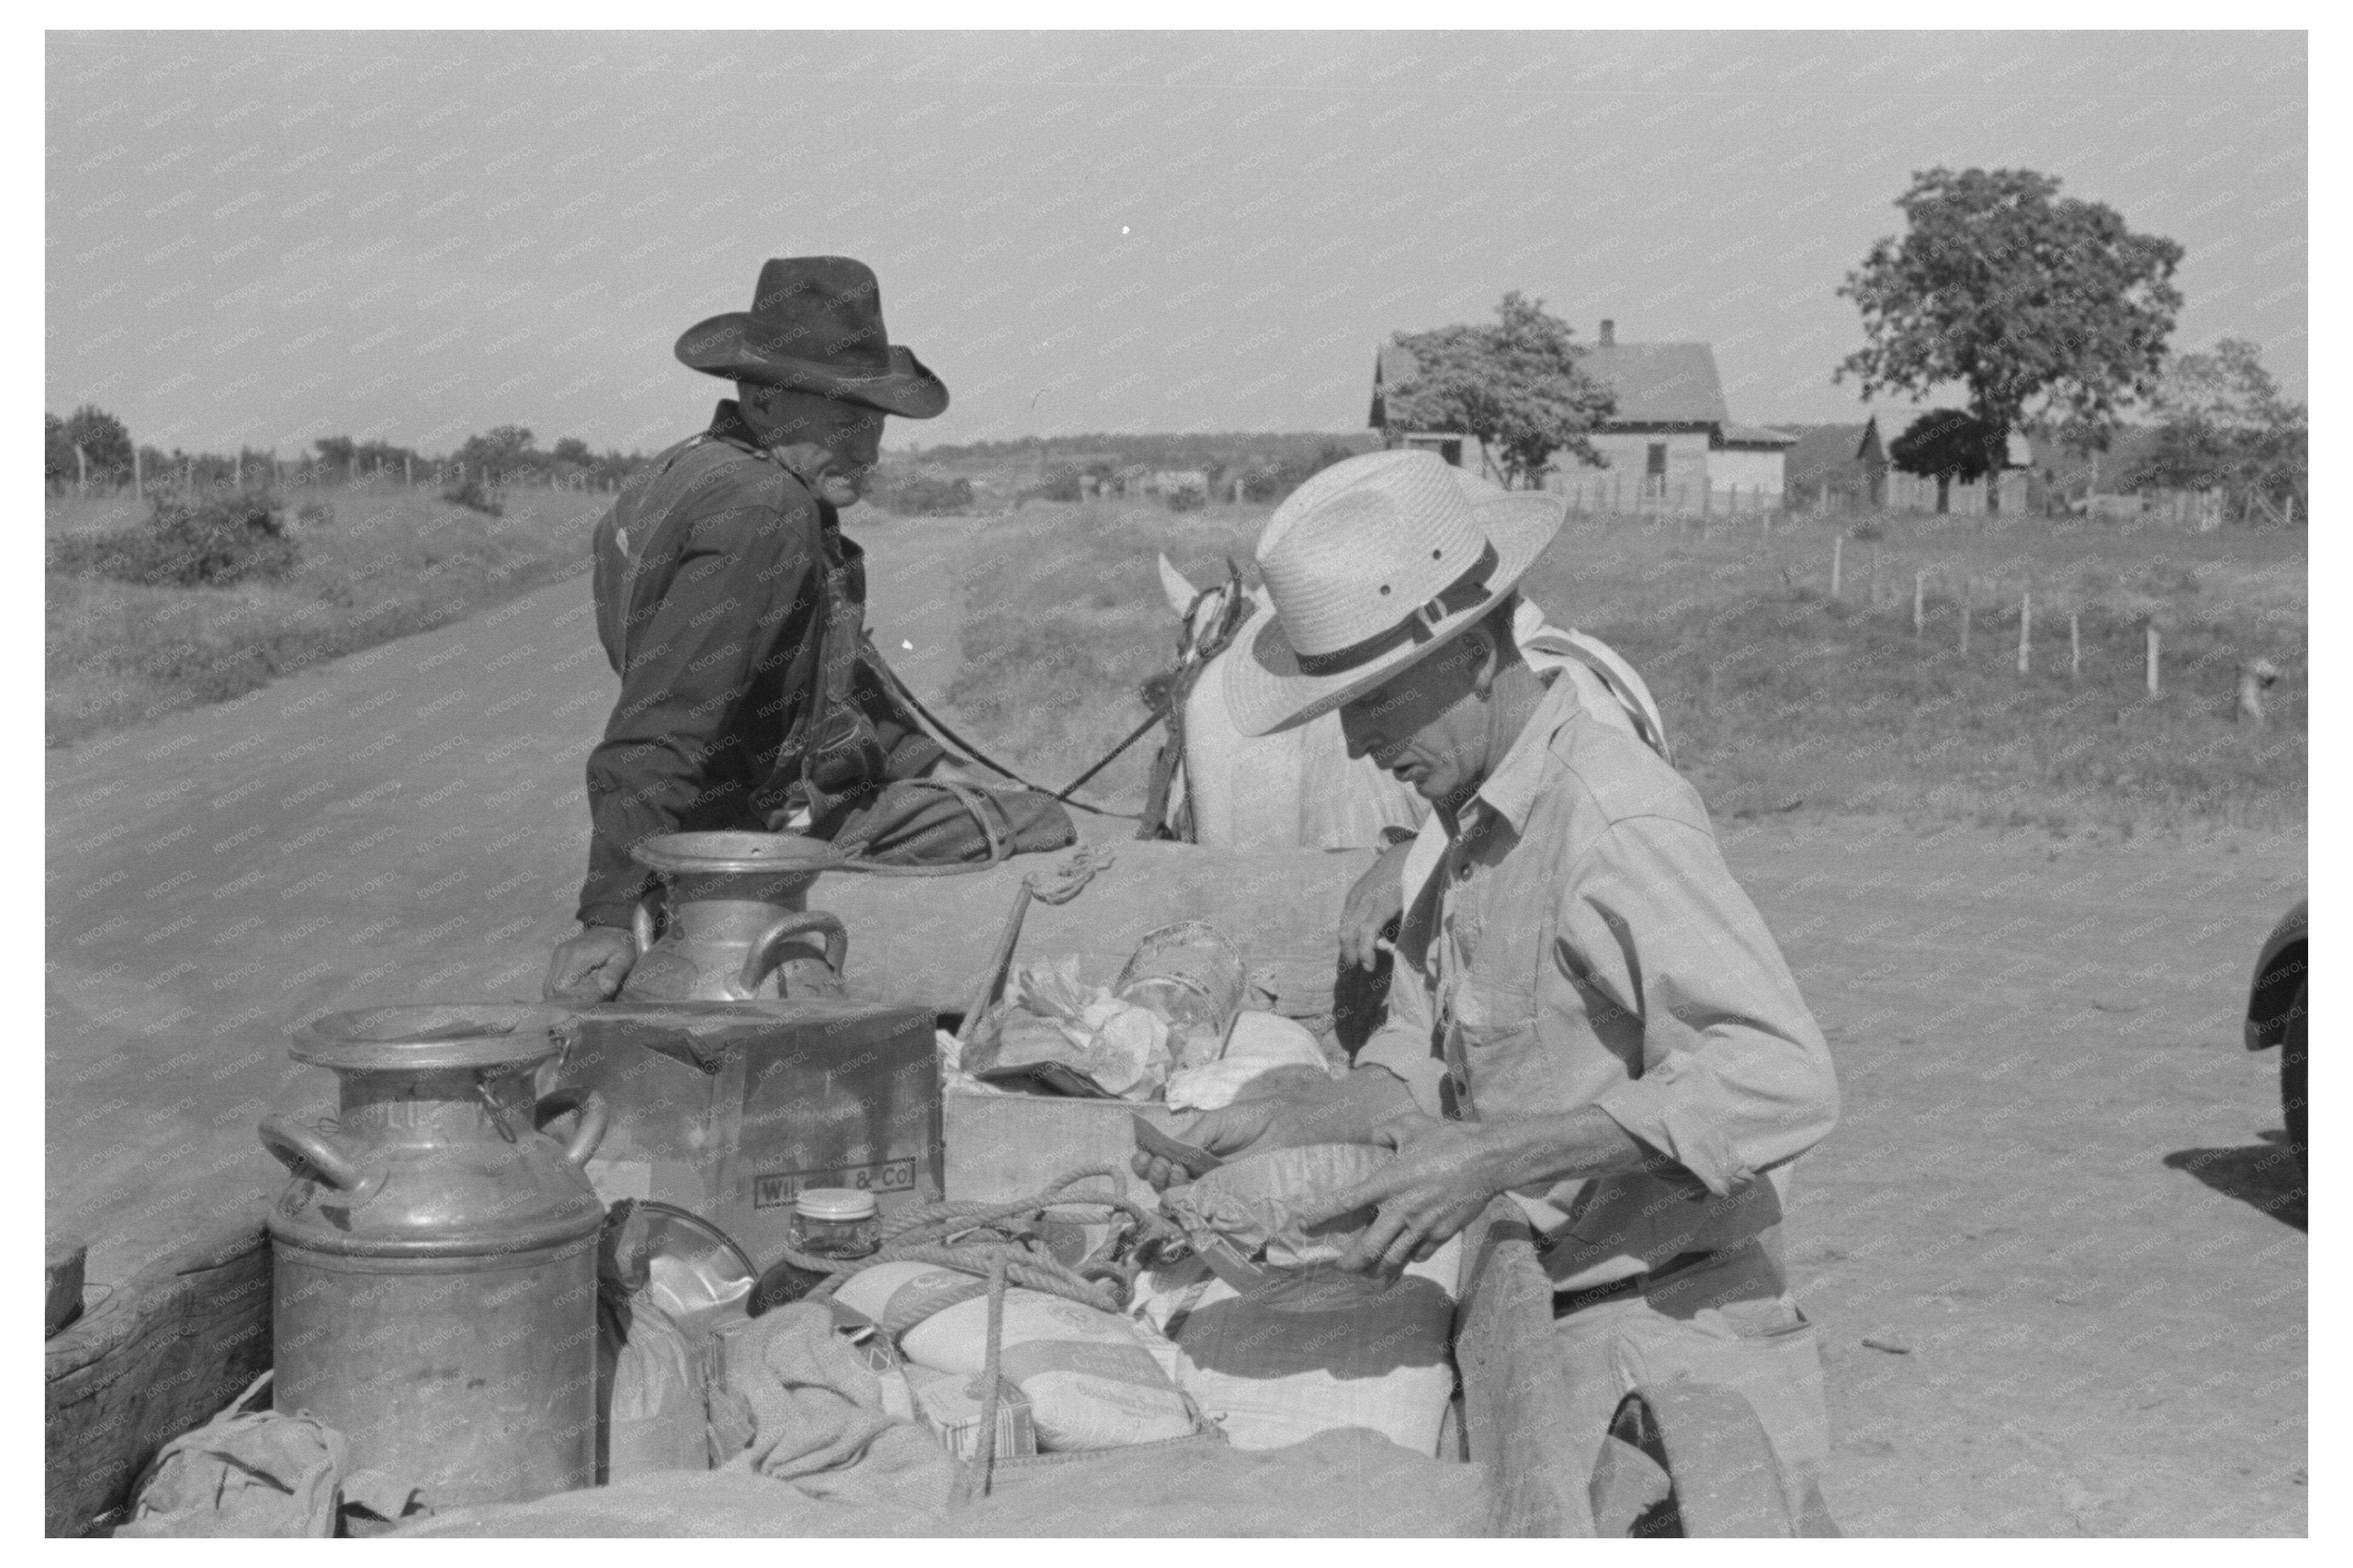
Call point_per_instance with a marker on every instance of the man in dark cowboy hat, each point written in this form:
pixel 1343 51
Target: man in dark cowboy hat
pixel 732 606
pixel 1588 1013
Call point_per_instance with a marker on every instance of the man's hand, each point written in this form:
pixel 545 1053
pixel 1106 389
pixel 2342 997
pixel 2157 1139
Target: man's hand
pixel 591 966
pixel 1322 1110
pixel 1444 1174
pixel 1446 1171
pixel 1377 898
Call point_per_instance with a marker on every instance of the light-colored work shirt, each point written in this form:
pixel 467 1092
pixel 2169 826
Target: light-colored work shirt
pixel 1582 943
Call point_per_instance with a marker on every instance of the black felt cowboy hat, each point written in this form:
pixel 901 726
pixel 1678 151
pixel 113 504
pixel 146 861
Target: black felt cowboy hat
pixel 815 325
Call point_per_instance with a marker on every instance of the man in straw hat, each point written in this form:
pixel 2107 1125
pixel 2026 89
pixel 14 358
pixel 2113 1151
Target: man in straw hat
pixel 732 605
pixel 1588 1013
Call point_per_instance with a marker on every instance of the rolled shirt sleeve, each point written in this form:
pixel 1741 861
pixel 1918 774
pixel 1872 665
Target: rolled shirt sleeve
pixel 1736 1079
pixel 745 578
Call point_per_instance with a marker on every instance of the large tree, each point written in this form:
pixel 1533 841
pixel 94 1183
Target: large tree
pixel 2045 308
pixel 1515 387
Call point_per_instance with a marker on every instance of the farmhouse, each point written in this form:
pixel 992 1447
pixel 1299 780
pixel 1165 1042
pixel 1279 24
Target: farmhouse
pixel 1671 443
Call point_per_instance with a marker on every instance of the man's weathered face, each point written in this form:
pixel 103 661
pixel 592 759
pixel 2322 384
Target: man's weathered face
pixel 835 443
pixel 1426 724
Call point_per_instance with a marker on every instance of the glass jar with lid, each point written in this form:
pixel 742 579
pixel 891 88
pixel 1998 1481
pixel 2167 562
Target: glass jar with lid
pixel 836 1223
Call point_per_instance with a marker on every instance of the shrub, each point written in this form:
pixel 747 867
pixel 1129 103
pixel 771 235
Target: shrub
pixel 314 514
pixel 921 496
pixel 1185 501
pixel 473 495
pixel 214 541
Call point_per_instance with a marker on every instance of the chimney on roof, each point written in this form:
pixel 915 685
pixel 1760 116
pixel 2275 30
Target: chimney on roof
pixel 1609 333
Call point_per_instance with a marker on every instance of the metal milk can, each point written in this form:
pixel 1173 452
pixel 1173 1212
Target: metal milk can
pixel 435 1255
pixel 738 920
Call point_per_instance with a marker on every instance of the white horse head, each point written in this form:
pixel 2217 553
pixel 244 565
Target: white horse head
pixel 1300 788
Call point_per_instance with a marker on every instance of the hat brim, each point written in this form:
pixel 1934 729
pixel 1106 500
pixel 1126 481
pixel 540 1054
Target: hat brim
pixel 1266 691
pixel 728 345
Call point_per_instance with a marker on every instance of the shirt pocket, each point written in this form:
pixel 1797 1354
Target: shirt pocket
pixel 1488 1015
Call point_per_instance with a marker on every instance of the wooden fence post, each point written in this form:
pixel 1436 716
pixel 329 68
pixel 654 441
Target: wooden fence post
pixel 2025 623
pixel 1919 603
pixel 1838 543
pixel 1969 594
pixel 408 470
pixel 1875 575
pixel 138 475
pixel 2152 658
pixel 2075 643
pixel 81 464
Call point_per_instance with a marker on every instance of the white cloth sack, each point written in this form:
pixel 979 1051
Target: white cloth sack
pixel 1092 1382
pixel 1258 1043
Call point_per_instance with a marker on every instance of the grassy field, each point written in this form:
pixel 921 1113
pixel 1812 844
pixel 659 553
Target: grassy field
pixel 381 562
pixel 1777 697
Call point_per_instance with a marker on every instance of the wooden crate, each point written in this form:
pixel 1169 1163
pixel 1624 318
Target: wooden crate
pixel 155 1356
pixel 1002 1146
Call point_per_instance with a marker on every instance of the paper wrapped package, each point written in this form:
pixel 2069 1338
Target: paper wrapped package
pixel 1257 1204
pixel 1073 1038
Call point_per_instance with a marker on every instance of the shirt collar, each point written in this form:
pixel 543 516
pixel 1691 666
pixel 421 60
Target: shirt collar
pixel 727 425
pixel 1510 788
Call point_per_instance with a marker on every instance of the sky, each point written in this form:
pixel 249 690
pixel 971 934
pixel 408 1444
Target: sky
pixel 263 238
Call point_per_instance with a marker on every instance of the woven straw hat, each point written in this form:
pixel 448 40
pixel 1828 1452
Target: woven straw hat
pixel 1372 565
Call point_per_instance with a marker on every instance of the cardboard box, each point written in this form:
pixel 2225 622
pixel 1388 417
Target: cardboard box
pixel 730 1109
pixel 1004 1147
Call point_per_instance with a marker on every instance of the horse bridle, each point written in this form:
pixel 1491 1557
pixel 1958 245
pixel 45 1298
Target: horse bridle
pixel 1195 653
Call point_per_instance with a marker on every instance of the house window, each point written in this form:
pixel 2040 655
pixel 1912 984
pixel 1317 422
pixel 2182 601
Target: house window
pixel 1658 469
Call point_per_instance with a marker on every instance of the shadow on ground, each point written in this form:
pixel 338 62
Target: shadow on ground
pixel 2266 1176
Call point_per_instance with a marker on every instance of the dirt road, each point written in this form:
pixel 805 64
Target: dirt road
pixel 2054 1206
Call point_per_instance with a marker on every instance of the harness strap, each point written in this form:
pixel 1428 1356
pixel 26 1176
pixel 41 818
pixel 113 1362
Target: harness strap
pixel 940 732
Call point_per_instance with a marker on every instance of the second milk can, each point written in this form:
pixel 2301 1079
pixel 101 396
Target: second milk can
pixel 435 1255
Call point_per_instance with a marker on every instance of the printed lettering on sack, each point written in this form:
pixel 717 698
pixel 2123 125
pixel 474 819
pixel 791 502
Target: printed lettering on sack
pixel 775 1189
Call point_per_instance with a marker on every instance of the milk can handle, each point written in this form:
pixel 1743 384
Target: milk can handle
pixel 764 954
pixel 298 1148
pixel 593 1114
pixel 641 925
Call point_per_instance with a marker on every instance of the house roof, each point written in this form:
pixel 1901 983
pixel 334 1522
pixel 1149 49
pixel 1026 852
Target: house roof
pixel 1757 436
pixel 1656 384
pixel 1659 383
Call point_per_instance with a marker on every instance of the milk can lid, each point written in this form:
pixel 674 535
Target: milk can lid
pixel 429 1037
pixel 836 1203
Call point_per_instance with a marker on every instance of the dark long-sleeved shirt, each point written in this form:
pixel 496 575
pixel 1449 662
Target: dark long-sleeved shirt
pixel 709 591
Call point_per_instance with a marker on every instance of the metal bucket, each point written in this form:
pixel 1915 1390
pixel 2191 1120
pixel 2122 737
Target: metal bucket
pixel 435 1255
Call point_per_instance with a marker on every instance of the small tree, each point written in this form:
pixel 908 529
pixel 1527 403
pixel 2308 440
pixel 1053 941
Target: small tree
pixel 1516 385
pixel 500 454
pixel 104 440
pixel 2025 299
pixel 1942 444
pixel 2227 428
